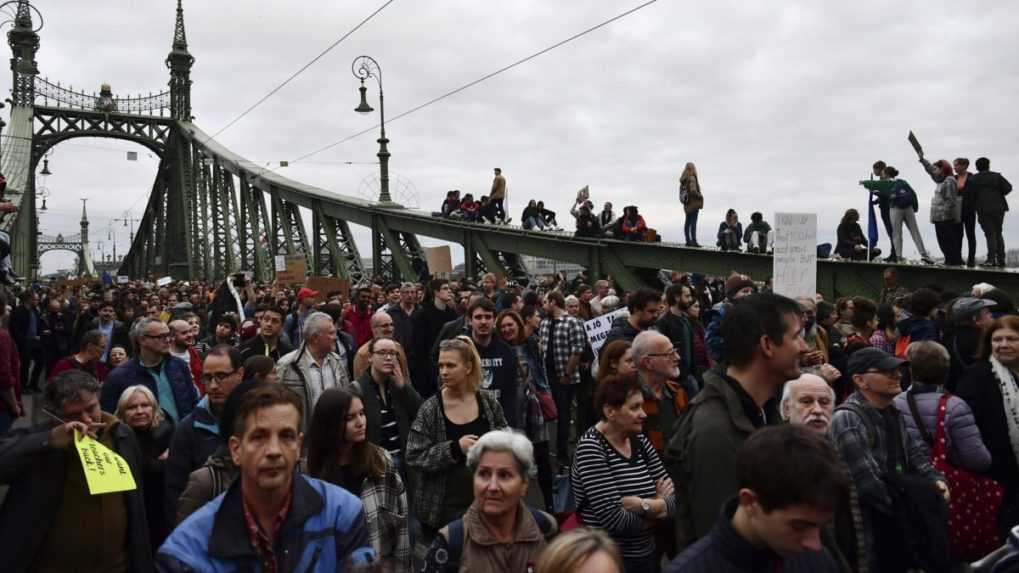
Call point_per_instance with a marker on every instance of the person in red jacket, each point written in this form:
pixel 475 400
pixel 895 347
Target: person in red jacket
pixel 359 316
pixel 633 226
pixel 10 384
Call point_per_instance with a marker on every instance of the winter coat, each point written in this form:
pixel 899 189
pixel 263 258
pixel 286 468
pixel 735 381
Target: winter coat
pixel 946 205
pixel 36 473
pixel 989 189
pixel 981 391
pixel 966 449
pixel 690 188
pixel 918 328
pixel 185 395
pixel 293 373
pixel 325 530
pixel 197 437
pixel 621 329
pixel 405 404
pixel 207 482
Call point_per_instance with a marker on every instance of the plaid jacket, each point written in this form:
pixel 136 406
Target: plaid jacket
pixel 862 446
pixel 430 453
pixel 385 510
pixel 570 339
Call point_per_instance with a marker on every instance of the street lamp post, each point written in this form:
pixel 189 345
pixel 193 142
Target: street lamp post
pixel 365 67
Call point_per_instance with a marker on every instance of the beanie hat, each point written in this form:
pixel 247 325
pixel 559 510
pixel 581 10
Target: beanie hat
pixel 736 283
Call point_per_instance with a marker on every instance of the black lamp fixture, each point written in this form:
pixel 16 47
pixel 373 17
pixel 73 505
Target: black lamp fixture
pixel 364 107
pixel 45 168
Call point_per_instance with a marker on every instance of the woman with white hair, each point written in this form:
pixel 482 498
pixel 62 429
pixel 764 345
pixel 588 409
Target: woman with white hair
pixel 498 532
pixel 138 408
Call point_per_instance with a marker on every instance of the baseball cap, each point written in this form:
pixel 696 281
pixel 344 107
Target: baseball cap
pixel 869 358
pixel 968 306
pixel 306 292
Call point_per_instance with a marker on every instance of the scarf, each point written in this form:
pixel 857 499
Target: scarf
pixel 1010 396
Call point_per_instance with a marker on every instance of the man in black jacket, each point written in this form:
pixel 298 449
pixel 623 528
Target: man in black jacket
pixel 49 520
pixel 26 329
pixel 427 322
pixel 270 340
pixel 498 361
pixel 790 483
pixel 675 325
pixel 643 305
pixel 989 189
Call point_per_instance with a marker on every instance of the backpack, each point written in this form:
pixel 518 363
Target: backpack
pixel 455 533
pixel 903 196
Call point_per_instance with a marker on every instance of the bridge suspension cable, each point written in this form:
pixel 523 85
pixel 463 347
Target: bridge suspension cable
pixel 483 78
pixel 300 71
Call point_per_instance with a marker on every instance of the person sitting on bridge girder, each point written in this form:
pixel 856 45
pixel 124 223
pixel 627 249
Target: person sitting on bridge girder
pixel 470 208
pixel 632 227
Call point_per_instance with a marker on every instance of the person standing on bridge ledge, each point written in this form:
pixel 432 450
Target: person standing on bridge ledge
pixel 498 195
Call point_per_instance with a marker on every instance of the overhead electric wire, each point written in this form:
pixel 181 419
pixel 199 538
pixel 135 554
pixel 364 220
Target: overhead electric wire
pixel 300 71
pixel 482 78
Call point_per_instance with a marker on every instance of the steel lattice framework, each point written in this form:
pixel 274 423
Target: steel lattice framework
pixel 211 212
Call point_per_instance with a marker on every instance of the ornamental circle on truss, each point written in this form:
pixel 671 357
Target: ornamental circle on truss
pixel 9 11
pixel 403 189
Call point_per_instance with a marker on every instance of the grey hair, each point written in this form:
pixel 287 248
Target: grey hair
pixel 314 323
pixel 67 388
pixel 139 327
pixel 572 299
pixel 787 393
pixel 929 361
pixel 641 345
pixel 505 441
pixel 380 313
pixel 609 303
pixel 129 392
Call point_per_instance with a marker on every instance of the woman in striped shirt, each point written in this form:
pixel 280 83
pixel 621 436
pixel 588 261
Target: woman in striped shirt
pixel 619 481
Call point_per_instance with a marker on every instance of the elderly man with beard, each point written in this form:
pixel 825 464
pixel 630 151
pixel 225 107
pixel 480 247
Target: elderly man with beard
pixel 809 401
pixel 763 341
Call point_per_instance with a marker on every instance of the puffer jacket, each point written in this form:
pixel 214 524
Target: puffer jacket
pixel 946 205
pixel 919 328
pixel 966 448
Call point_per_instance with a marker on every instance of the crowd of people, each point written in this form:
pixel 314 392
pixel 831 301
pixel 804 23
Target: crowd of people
pixel 399 427
pixel 960 200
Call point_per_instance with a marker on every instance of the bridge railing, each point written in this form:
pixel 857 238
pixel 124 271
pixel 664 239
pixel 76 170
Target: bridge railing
pixel 53 94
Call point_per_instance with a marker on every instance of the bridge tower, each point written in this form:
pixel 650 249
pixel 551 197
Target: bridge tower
pixel 86 249
pixel 178 172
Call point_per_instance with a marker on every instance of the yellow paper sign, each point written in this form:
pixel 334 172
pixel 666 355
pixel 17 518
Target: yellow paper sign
pixel 105 471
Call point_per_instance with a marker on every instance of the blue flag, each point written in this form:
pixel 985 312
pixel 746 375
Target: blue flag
pixel 871 225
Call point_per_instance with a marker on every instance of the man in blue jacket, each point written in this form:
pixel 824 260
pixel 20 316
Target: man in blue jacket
pixel 271 519
pixel 167 377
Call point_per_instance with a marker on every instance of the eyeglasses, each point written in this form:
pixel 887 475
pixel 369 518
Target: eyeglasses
pixel 387 354
pixel 671 352
pixel 219 377
pixel 164 336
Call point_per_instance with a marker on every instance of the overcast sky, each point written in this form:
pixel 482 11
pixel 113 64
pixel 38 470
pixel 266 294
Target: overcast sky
pixel 782 106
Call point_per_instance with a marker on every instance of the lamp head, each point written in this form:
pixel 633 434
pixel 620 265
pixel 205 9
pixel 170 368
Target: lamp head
pixel 45 167
pixel 363 107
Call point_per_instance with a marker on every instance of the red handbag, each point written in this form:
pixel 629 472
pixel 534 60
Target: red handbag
pixel 975 499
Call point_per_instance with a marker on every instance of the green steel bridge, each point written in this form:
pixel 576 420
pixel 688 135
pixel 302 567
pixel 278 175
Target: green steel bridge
pixel 212 212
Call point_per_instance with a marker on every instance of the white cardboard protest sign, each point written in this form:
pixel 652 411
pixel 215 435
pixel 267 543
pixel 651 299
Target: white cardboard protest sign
pixel 163 281
pixel 795 260
pixel 123 279
pixel 598 328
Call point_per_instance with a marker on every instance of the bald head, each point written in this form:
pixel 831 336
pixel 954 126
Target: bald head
pixel 182 333
pixel 809 401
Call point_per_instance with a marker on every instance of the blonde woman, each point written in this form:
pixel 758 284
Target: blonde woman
pixel 580 550
pixel 138 408
pixel 693 201
pixel 446 427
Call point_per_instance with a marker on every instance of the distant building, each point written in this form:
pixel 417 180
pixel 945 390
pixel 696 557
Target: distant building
pixel 545 266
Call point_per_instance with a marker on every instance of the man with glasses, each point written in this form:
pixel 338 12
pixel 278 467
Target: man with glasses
pixel 167 377
pixel 269 341
pixel 872 439
pixel 658 368
pixel 198 435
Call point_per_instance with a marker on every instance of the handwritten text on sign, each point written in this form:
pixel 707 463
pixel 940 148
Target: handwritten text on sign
pixel 105 471
pixel 795 270
pixel 598 328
